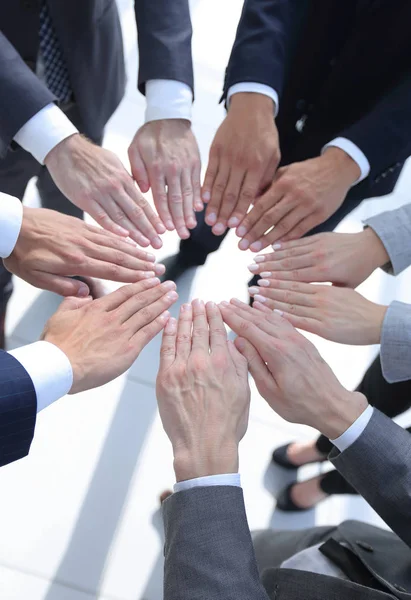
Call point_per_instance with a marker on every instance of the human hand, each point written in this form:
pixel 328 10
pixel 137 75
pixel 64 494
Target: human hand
pixel 334 313
pixel 164 155
pixel 290 373
pixel 96 181
pixel 102 338
pixel 345 259
pixel 203 393
pixel 302 195
pixel 52 247
pixel 243 160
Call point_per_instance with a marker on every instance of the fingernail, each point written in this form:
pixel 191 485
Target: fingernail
pixel 241 231
pixel 165 315
pixel 121 231
pixel 160 269
pixel 171 326
pixel 219 229
pixel 233 222
pixel 206 196
pixel 260 259
pixel 150 257
pixel 160 228
pixel 184 233
pixel 153 281
pixel 157 243
pixel 170 225
pixel 149 274
pixel 266 274
pixel 243 245
pixel 224 303
pixel 260 298
pixel 276 246
pixel 169 285
pixel 256 247
pixel 263 283
pixel 280 312
pixel 211 304
pixel 253 268
pixel 253 290
pixel 211 219
pixel 185 307
pixel 191 223
pixel 172 296
pixel 199 207
pixel 83 291
pixel 240 344
pixel 197 303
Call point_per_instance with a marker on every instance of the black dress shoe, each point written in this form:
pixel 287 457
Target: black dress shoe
pixel 285 501
pixel 175 268
pixel 280 458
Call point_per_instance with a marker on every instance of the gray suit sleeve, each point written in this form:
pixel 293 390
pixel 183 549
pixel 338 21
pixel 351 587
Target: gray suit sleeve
pixel 22 95
pixel 394 230
pixel 208 549
pixel 396 343
pixel 164 41
pixel 378 465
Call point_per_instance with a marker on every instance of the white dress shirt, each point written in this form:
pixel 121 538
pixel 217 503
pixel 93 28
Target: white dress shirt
pixel 344 144
pixel 166 99
pixel 48 367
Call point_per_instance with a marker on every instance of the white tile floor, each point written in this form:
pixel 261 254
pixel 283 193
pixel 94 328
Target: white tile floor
pixel 79 517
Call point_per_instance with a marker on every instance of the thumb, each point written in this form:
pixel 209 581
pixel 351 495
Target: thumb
pixel 72 303
pixel 239 361
pixel 256 365
pixel 64 286
pixel 138 168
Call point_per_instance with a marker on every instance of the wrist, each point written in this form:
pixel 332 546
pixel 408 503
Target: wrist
pixel 341 413
pixel 347 169
pixel 191 464
pixel 374 249
pixel 66 145
pixel 250 102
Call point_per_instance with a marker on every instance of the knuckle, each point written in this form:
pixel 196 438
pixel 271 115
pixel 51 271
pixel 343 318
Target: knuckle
pixel 267 219
pixel 176 199
pixel 187 191
pixel 219 187
pixel 173 168
pixel 147 314
pixel 247 194
pixel 230 197
pixel 183 338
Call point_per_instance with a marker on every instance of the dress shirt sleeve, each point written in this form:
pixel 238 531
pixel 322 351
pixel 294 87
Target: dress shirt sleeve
pixel 168 99
pixel 256 88
pixel 49 369
pixel 354 152
pixel 11 218
pixel 232 479
pixel 44 131
pixel 353 433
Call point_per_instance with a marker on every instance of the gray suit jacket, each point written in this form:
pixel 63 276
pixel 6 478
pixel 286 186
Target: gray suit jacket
pixel 209 552
pixel 90 37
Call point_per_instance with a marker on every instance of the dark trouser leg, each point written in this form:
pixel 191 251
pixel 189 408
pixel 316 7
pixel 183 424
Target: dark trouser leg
pixel 390 398
pixel 272 548
pixel 50 195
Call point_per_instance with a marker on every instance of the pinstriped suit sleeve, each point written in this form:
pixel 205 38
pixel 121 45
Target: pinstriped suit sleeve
pixel 18 408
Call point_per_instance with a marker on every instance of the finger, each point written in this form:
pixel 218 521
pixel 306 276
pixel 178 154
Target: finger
pixel 105 239
pixel 261 307
pixel 286 225
pixel 150 313
pixel 103 218
pixel 143 300
pixel 115 299
pixel 188 199
pixel 290 291
pixel 260 209
pixel 219 186
pixel 176 205
pixel 303 227
pixel 229 200
pixel 304 323
pixel 185 322
pixel 200 338
pixel 141 214
pixel 158 188
pixel 138 169
pixel 196 183
pixel 269 323
pixel 116 213
pixel 64 286
pixel 72 303
pixel 210 176
pixel 246 328
pixel 168 345
pixel 260 235
pixel 218 333
pixel 149 332
pixel 117 258
pixel 248 193
pixel 256 365
pixel 287 307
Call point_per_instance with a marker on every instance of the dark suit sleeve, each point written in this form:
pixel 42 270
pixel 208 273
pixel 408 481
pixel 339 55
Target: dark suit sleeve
pixel 22 94
pixel 208 548
pixel 164 41
pixel 261 45
pixel 384 133
pixel 18 408
pixel 378 465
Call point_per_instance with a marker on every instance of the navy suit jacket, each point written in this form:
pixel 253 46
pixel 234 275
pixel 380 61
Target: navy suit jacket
pixel 18 409
pixel 90 37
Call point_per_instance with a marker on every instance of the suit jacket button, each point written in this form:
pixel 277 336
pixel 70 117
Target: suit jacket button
pixel 364 546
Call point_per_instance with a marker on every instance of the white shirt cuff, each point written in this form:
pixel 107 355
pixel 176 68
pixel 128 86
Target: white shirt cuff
pixel 354 152
pixel 49 369
pixel 232 479
pixel 11 218
pixel 353 433
pixel 44 131
pixel 256 88
pixel 168 99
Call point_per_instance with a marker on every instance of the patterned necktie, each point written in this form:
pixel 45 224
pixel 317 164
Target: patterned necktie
pixel 55 69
